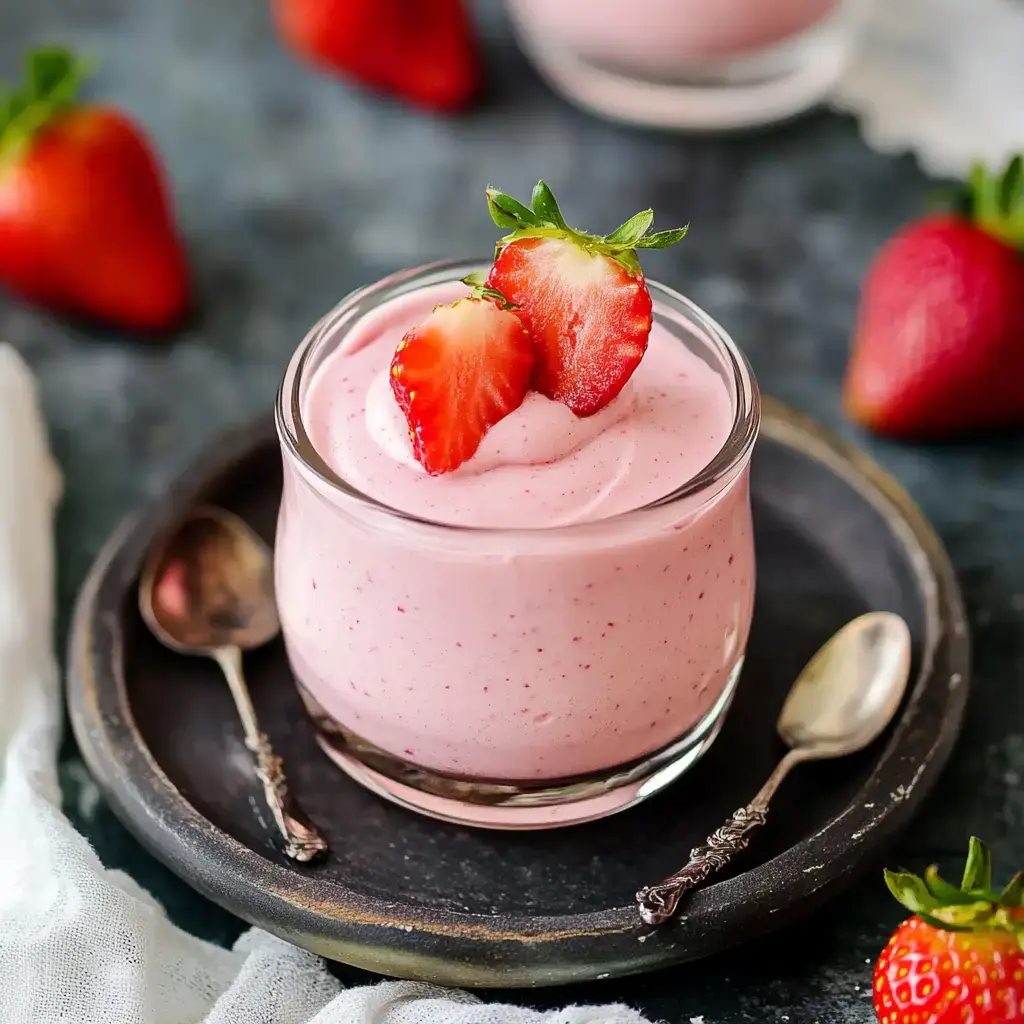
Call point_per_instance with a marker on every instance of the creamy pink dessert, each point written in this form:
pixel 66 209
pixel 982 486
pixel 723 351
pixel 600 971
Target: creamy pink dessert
pixel 691 64
pixel 659 36
pixel 545 624
pixel 542 466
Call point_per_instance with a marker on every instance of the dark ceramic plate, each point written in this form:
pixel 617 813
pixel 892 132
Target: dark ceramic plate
pixel 409 896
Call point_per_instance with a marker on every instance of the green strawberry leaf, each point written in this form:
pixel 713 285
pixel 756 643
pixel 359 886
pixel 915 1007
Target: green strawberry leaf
pixel 911 892
pixel 545 206
pixel 628 234
pixel 978 870
pixel 545 220
pixel 995 202
pixel 51 72
pixel 662 239
pixel 974 907
pixel 509 213
pixel 1011 186
pixel 946 894
pixel 54 76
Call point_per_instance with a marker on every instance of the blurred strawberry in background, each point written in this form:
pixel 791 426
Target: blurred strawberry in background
pixel 85 219
pixel 423 51
pixel 939 342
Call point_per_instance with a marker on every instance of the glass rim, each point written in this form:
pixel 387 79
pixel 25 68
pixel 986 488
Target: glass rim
pixel 296 444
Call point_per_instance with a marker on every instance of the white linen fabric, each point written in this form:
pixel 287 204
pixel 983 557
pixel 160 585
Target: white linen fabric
pixel 942 79
pixel 81 943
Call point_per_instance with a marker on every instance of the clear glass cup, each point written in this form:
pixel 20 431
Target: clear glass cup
pixel 690 64
pixel 407 636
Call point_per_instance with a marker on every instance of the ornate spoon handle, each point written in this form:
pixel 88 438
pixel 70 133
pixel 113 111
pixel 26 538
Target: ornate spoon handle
pixel 658 903
pixel 302 842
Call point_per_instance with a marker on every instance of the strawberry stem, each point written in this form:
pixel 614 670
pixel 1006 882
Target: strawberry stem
pixel 482 290
pixel 545 220
pixel 995 202
pixel 973 907
pixel 53 78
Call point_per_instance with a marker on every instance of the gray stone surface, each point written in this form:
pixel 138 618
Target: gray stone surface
pixel 291 189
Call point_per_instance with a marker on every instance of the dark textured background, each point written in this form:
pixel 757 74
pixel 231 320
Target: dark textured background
pixel 291 189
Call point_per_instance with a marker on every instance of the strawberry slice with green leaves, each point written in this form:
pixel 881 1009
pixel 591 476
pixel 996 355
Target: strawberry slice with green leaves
pixel 582 297
pixel 960 958
pixel 466 367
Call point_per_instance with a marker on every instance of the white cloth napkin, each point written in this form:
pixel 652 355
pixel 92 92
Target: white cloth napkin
pixel 943 79
pixel 81 943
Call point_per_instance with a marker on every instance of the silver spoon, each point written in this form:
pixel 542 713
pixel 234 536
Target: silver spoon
pixel 208 589
pixel 842 700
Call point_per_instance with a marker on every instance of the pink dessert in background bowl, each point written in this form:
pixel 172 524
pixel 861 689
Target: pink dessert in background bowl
pixel 691 64
pixel 554 629
pixel 660 35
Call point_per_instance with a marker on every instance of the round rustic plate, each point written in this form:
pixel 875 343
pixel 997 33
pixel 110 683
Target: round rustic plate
pixel 405 895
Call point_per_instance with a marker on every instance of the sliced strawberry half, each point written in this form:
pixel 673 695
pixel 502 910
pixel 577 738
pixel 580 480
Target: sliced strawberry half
pixel 582 297
pixel 466 367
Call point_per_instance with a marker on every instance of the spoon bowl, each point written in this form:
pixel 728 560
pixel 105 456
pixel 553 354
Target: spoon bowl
pixel 208 589
pixel 849 691
pixel 210 585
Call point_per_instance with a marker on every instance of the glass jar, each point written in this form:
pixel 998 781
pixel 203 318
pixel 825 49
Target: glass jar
pixel 515 678
pixel 690 64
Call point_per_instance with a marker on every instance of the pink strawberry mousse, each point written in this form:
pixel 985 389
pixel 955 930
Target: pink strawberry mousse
pixel 657 36
pixel 556 637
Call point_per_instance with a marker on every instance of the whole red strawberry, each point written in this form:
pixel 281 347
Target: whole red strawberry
pixel 959 959
pixel 85 219
pixel 939 342
pixel 582 297
pixel 463 369
pixel 423 51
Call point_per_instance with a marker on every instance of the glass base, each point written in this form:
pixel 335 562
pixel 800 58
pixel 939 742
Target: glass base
pixel 500 805
pixel 741 91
